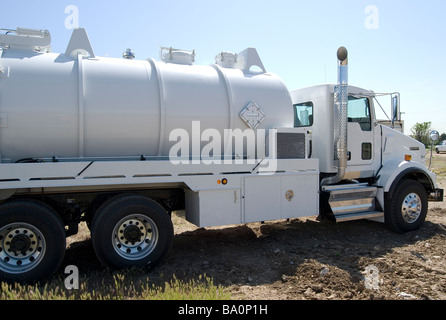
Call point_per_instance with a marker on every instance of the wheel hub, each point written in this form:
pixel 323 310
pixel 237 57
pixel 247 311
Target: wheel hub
pixel 21 247
pixel 20 244
pixel 411 208
pixel 132 234
pixel 135 237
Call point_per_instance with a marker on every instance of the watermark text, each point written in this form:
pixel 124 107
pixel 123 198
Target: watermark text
pixel 371 21
pixel 235 147
pixel 72 20
pixel 72 280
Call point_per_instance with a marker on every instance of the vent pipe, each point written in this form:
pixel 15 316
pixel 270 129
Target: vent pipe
pixel 341 104
pixel 128 54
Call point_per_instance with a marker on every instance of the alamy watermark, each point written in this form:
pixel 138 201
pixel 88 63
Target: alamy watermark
pixel 72 280
pixel 72 19
pixel 371 277
pixel 371 21
pixel 235 147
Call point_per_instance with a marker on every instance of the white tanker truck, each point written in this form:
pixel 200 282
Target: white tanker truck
pixel 121 143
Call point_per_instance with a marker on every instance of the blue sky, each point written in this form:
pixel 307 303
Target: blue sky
pixel 398 46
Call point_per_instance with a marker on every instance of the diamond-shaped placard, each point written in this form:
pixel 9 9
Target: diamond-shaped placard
pixel 252 115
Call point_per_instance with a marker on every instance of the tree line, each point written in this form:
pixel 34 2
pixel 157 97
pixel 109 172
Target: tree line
pixel 421 132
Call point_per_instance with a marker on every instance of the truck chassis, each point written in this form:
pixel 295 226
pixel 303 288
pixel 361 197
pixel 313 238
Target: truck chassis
pixel 127 204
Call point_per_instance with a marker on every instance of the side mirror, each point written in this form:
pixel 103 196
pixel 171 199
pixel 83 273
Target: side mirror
pixel 395 115
pixel 434 135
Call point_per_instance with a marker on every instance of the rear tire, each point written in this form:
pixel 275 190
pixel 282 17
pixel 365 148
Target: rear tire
pixel 131 230
pixel 406 210
pixel 32 241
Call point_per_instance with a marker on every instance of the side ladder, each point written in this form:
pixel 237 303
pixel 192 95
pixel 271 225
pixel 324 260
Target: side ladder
pixel 352 201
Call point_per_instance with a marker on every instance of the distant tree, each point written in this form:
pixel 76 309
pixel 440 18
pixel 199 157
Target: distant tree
pixel 420 132
pixel 442 137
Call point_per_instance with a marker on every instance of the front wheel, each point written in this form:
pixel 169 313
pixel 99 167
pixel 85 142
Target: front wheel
pixel 406 210
pixel 131 230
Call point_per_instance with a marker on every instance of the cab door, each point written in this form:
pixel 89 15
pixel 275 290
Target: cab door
pixel 361 141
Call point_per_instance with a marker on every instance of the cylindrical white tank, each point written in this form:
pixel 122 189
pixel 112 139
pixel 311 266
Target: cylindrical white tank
pixel 56 105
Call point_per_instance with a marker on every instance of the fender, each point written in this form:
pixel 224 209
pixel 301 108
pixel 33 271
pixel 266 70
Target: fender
pixel 393 172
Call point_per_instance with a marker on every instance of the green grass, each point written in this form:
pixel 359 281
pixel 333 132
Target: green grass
pixel 120 287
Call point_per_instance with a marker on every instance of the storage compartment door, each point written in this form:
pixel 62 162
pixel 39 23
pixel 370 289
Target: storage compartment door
pixel 281 196
pixel 207 208
pixel 262 198
pixel 300 195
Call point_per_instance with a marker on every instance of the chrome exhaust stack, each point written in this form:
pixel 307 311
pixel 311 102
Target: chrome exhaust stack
pixel 341 104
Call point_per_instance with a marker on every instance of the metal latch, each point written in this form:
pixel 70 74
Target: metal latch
pixel 4 72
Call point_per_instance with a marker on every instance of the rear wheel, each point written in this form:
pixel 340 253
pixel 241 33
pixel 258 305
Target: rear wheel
pixel 32 241
pixel 131 230
pixel 407 208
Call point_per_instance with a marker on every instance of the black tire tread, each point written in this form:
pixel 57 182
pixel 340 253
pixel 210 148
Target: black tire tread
pixel 102 216
pixel 46 219
pixel 392 213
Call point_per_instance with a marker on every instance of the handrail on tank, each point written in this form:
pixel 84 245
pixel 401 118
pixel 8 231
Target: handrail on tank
pixel 7 30
pixel 23 38
pixel 27 32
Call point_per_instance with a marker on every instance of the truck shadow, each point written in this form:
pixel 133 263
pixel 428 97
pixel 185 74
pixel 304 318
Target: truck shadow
pixel 263 254
pixel 275 251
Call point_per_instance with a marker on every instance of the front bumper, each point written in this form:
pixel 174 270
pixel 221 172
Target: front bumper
pixel 436 195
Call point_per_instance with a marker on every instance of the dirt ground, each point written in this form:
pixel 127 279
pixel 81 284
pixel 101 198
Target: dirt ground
pixel 304 259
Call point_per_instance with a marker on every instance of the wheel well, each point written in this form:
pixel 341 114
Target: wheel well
pixel 412 174
pixel 169 199
pixel 76 207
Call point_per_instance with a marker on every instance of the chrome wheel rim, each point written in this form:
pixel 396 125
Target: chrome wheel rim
pixel 135 237
pixel 411 208
pixel 22 247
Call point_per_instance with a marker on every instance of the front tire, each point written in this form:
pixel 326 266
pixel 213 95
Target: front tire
pixel 406 210
pixel 131 230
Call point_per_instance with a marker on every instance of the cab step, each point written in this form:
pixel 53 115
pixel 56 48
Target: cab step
pixel 358 216
pixel 352 201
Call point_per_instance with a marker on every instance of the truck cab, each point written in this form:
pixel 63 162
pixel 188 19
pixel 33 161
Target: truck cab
pixel 379 158
pixel 313 109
